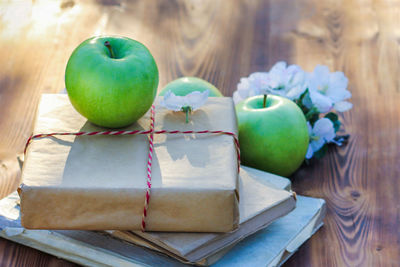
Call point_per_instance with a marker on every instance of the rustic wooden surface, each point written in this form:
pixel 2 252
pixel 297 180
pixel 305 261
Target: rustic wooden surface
pixel 222 41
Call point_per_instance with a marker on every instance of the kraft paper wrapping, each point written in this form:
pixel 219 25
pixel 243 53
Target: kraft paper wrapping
pixel 269 247
pixel 98 182
pixel 263 199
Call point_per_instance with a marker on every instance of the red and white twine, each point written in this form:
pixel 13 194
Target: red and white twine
pixel 149 163
pixel 151 133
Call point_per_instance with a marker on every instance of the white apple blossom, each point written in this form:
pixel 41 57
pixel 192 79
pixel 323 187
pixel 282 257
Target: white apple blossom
pixel 283 80
pixel 194 100
pixel 327 90
pixel 286 81
pixel 255 84
pixel 323 132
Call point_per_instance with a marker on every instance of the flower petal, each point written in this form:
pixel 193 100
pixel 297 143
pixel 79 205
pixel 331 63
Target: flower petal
pixel 237 97
pixel 171 101
pixel 337 95
pixel 258 81
pixel 310 152
pixel 194 99
pixel 318 80
pixel 324 129
pixel 274 81
pixel 197 99
pixel 280 92
pixel 278 67
pixel 298 77
pixel 323 103
pixel 278 76
pixel 244 84
pixel 295 92
pixel 337 87
pixel 317 144
pixel 321 72
pixel 338 80
pixel 343 106
pixel 293 69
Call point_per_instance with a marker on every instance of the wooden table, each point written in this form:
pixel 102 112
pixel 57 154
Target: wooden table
pixel 222 41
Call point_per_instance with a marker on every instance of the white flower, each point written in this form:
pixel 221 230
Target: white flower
pixel 255 84
pixel 194 100
pixel 283 80
pixel 328 90
pixel 286 81
pixel 323 132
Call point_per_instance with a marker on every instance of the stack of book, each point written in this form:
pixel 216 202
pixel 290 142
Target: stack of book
pixel 253 219
pixel 271 245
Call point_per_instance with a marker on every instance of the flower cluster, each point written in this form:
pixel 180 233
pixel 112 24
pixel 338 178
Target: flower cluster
pixel 318 94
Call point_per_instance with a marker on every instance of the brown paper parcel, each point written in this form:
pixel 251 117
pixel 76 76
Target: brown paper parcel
pixel 98 182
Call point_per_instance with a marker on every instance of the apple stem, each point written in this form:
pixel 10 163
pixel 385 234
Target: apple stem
pixel 265 101
pixel 187 109
pixel 107 44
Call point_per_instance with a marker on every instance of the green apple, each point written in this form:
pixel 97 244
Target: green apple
pixel 185 85
pixel 273 138
pixel 112 81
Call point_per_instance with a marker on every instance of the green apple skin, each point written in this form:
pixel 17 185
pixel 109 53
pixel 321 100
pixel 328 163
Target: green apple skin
pixel 274 138
pixel 185 85
pixel 111 92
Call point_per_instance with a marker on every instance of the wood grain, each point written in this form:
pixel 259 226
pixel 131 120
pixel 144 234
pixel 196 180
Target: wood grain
pixel 222 41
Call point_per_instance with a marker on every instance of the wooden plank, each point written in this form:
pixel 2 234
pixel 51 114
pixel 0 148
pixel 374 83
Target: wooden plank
pixel 359 181
pixel 13 254
pixel 222 42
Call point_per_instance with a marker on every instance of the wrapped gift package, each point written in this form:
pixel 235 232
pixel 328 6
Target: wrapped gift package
pixel 99 182
pixel 259 191
pixel 263 199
